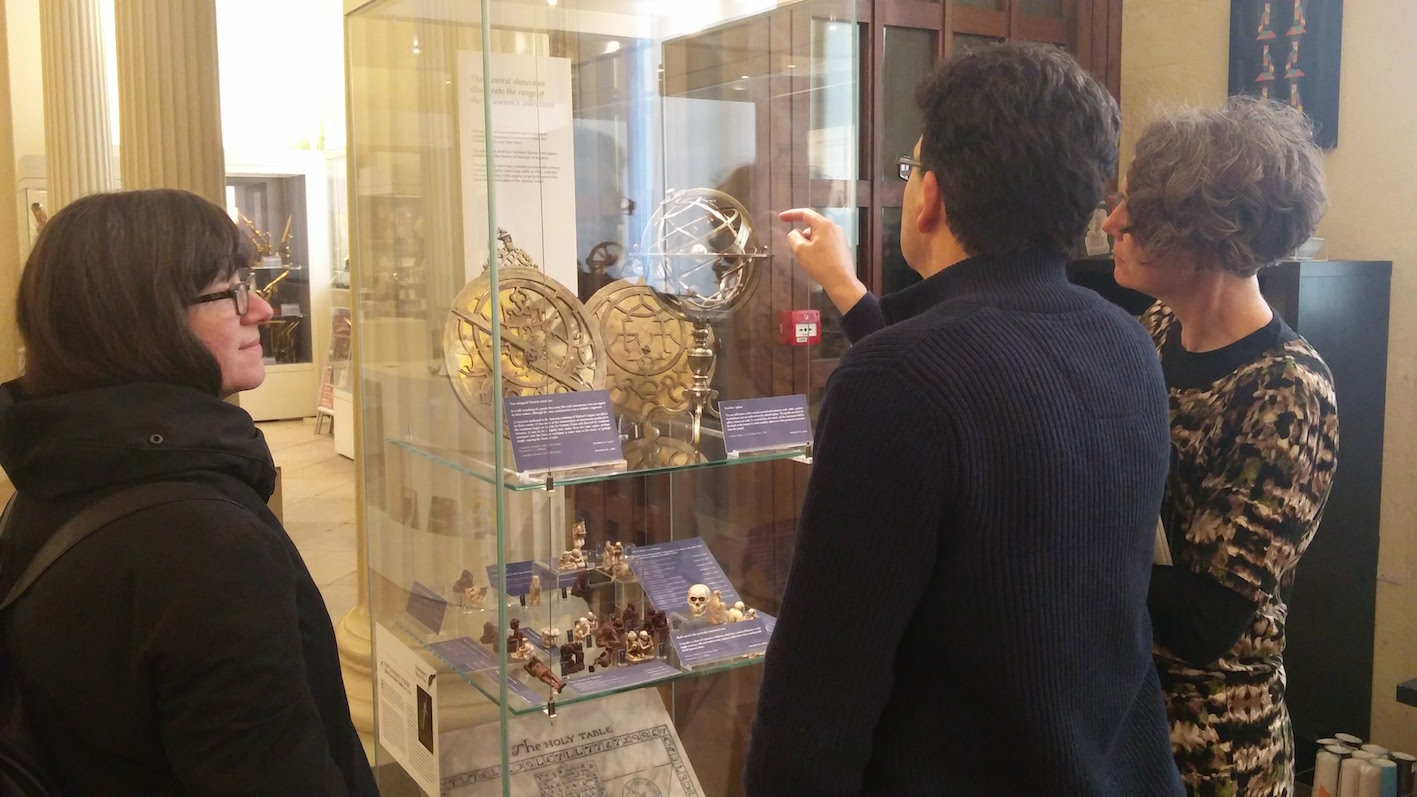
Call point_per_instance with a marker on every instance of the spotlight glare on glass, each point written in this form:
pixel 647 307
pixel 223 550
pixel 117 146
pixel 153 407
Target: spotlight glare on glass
pixel 612 47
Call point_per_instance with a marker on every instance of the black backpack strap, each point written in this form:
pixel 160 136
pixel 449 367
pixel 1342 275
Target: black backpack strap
pixel 102 512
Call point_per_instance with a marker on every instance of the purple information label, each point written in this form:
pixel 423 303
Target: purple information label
pixel 427 607
pixel 563 431
pixel 667 570
pixel 715 643
pixel 518 577
pixel 765 424
pixel 610 679
pixel 465 654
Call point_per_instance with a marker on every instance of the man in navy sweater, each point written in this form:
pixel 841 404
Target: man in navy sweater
pixel 966 611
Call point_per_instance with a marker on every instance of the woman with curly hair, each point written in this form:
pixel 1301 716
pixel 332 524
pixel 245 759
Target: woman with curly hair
pixel 1211 198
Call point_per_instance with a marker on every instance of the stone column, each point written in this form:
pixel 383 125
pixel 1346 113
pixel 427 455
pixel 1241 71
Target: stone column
pixel 9 218
pixel 77 137
pixel 169 109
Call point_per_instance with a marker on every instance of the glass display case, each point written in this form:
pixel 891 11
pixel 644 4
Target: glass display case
pixel 587 365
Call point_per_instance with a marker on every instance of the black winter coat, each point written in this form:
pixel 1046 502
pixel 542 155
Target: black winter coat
pixel 184 649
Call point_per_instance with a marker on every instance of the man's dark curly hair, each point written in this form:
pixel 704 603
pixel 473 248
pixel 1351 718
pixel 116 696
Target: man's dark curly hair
pixel 1022 141
pixel 1237 188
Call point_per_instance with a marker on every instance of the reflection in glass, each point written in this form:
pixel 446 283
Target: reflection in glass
pixel 832 138
pixel 909 53
pixel 1041 8
pixel 896 274
pixel 969 42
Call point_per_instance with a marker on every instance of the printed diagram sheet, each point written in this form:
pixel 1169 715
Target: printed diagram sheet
pixel 621 746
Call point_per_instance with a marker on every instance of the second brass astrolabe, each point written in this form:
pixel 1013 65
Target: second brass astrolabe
pixel 646 348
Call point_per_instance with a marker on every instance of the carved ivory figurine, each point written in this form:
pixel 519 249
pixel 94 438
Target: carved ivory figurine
pixel 717 613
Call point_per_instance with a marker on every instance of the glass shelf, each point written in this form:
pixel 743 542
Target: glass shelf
pixel 482 470
pixel 525 686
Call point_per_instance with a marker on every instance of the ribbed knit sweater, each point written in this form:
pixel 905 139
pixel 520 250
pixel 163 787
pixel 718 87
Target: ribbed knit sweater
pixel 966 609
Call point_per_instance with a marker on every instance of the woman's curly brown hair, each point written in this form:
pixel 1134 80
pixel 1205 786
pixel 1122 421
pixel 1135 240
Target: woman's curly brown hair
pixel 1238 188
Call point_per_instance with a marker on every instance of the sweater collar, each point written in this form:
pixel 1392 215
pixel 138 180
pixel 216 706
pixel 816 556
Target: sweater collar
pixel 1017 278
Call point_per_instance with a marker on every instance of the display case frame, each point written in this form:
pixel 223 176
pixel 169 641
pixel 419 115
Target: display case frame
pixel 473 291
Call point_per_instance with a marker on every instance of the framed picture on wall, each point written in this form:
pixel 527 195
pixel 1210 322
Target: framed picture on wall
pixel 1288 50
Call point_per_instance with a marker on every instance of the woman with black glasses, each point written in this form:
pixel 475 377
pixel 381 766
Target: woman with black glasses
pixel 180 646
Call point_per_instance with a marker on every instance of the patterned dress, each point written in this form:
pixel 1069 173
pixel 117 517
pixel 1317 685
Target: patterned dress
pixel 1254 432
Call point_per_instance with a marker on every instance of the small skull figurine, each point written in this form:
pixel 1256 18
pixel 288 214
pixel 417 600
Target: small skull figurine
pixel 698 600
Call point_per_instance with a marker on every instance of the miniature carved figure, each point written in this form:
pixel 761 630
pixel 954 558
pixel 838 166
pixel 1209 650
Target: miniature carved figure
pixel 473 597
pixel 572 658
pixel 716 611
pixel 551 637
pixel 603 660
pixel 620 571
pixel 657 624
pixel 523 652
pixel 581 589
pixel 698 600
pixel 533 597
pixel 607 554
pixel 606 636
pixel 735 614
pixel 578 535
pixel 464 581
pixel 642 648
pixel 631 616
pixel 538 668
pixel 516 638
pixel 490 635
pixel 581 629
pixel 571 560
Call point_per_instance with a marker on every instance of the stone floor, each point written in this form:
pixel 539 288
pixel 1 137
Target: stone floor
pixel 318 507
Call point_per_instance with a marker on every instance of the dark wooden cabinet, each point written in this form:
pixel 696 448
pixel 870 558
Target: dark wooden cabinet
pixel 1341 308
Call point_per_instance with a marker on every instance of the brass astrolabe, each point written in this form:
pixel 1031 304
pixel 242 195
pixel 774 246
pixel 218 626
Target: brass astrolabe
pixel 647 351
pixel 549 341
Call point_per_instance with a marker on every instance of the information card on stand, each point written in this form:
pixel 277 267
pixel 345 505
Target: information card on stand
pixel 765 424
pixel 563 431
pixel 407 693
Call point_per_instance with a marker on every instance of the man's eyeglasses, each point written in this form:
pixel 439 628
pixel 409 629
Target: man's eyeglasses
pixel 239 294
pixel 908 164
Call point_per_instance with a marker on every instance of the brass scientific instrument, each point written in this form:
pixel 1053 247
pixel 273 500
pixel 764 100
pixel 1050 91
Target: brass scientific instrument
pixel 703 261
pixel 259 238
pixel 646 351
pixel 549 343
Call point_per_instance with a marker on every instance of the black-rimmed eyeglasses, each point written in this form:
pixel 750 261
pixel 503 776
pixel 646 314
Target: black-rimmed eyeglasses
pixel 907 164
pixel 239 294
